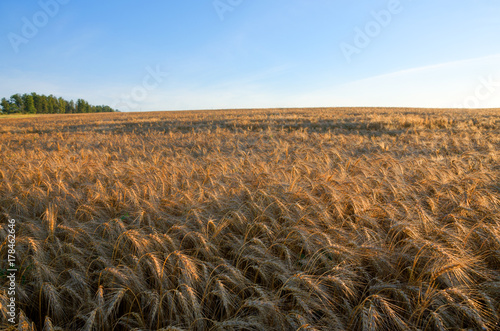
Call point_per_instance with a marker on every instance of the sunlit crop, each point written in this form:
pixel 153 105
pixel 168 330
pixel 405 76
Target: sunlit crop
pixel 305 219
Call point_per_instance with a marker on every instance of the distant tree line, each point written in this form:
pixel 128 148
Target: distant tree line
pixel 42 104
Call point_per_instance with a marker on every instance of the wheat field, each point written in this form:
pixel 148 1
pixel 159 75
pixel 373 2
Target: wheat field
pixel 276 219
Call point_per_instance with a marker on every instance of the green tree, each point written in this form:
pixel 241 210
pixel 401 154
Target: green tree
pixel 42 104
pixel 37 100
pixel 29 104
pixel 82 106
pixel 79 105
pixel 5 106
pixel 16 104
pixel 70 107
pixel 44 108
pixel 61 106
pixel 52 104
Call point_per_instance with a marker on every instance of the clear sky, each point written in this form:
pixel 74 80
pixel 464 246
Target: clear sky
pixel 205 54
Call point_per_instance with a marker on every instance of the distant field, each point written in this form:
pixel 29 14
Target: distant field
pixel 10 116
pixel 278 219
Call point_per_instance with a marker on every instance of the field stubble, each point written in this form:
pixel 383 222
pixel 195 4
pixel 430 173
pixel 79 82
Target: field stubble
pixel 359 219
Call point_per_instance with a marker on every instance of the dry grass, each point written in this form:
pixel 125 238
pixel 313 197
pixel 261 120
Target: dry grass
pixel 304 219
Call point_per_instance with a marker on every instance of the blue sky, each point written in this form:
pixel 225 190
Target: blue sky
pixel 206 54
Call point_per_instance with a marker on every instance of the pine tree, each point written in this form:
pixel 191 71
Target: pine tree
pixel 42 104
pixel 70 107
pixel 62 106
pixel 29 104
pixel 37 99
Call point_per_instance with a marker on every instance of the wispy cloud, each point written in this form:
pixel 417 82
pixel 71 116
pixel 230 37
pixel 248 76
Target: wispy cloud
pixel 459 66
pixel 437 85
